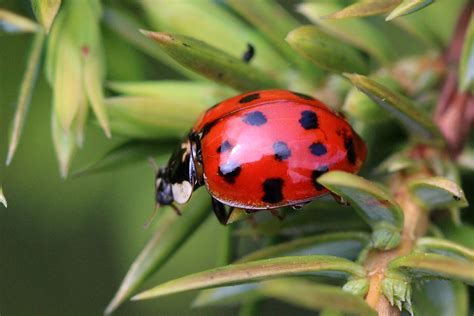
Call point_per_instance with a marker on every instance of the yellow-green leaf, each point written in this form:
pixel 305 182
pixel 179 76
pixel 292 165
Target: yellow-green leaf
pixel 254 271
pixel 407 7
pixel 371 202
pixel 64 145
pixel 440 298
pixel 429 265
pixel 437 192
pixel 325 51
pixel 445 247
pixel 3 200
pixel 364 8
pixel 11 23
pixel 45 11
pixel 26 90
pixel 418 123
pixel 171 232
pixel 212 62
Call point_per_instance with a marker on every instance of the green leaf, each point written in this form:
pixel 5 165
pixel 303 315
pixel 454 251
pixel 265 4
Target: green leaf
pixel 262 16
pixel 315 296
pixel 3 200
pixel 171 232
pixel 13 23
pixel 397 162
pixel 357 286
pixel 212 23
pixel 358 32
pixel 407 7
pixel 466 65
pixel 462 234
pixel 64 145
pixel 445 247
pixel 45 11
pixel 228 295
pixel 364 8
pixel 148 117
pixel 253 271
pixel 421 127
pixel 129 152
pixel 437 192
pixel 428 265
pixel 440 298
pixel 325 51
pixel 397 289
pixel 345 244
pixel 371 202
pixel 24 97
pixel 212 62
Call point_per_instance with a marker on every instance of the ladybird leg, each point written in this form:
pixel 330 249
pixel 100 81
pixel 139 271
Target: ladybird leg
pixel 219 210
pixel 277 214
pixel 339 199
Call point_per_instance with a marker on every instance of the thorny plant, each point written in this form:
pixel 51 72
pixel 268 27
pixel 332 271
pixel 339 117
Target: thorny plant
pixel 397 247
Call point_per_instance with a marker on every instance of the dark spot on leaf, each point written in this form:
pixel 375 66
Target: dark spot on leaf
pixel 457 198
pixel 186 45
pixel 220 75
pixel 273 190
pixel 255 118
pixel 225 146
pixel 303 96
pixel 318 149
pixel 249 54
pixel 249 98
pixel 229 171
pixel 316 174
pixel 282 151
pixel 309 120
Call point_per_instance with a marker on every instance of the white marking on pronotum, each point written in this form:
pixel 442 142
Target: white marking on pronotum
pixel 182 191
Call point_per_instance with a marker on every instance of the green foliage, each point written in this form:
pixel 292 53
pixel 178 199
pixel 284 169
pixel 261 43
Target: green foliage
pixel 330 250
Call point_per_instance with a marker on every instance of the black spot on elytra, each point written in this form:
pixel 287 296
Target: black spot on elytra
pixel 282 151
pixel 309 120
pixel 272 188
pixel 316 174
pixel 349 145
pixel 249 98
pixel 303 96
pixel 229 171
pixel 225 146
pixel 318 149
pixel 207 128
pixel 248 55
pixel 255 118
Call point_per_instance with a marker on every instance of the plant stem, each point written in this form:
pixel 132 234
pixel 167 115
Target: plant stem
pixel 415 226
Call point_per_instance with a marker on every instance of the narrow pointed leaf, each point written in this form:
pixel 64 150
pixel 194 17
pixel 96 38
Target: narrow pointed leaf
pixel 445 247
pixel 325 51
pixel 12 23
pixel 421 127
pixel 407 7
pixel 64 145
pixel 358 32
pixel 345 245
pixel 212 62
pixel 45 11
pixel 148 117
pixel 254 271
pixel 372 203
pixel 437 192
pixel 26 90
pixel 228 295
pixel 429 265
pixel 80 121
pixel 130 152
pixel 171 91
pixel 262 16
pixel 466 66
pixel 440 298
pixel 397 289
pixel 171 232
pixel 364 8
pixel 3 200
pixel 315 296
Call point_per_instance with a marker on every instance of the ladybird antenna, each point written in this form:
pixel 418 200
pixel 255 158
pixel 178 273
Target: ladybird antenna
pixel 153 164
pixel 151 217
pixel 176 209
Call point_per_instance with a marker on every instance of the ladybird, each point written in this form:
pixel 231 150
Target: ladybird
pixel 260 151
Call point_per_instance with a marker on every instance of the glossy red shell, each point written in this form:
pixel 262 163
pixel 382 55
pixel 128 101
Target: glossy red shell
pixel 265 149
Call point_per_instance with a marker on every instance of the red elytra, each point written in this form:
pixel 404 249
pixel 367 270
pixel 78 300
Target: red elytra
pixel 261 150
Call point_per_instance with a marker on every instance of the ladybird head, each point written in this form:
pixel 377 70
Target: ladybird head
pixel 173 181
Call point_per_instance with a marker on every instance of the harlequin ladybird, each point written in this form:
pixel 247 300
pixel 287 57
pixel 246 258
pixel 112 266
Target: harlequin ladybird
pixel 260 150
